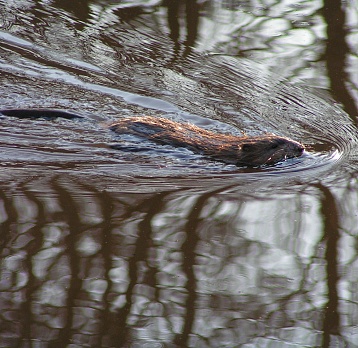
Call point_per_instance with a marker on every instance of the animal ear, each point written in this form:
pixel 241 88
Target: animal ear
pixel 247 147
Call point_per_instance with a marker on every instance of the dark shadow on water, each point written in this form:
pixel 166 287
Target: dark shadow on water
pixel 192 230
pixel 330 241
pixel 79 8
pixel 139 275
pixel 337 50
pixel 175 8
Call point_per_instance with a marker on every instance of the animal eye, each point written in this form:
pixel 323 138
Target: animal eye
pixel 246 147
pixel 274 146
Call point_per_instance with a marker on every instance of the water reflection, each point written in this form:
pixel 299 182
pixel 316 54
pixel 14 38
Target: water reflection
pixel 106 269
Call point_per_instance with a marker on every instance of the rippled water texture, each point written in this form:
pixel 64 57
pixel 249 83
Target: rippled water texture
pixel 110 240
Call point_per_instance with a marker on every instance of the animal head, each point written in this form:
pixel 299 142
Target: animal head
pixel 269 149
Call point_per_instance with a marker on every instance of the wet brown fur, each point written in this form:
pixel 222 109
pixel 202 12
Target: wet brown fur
pixel 245 150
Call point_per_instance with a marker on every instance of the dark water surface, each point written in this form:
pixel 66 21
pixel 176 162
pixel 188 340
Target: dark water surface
pixel 113 241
